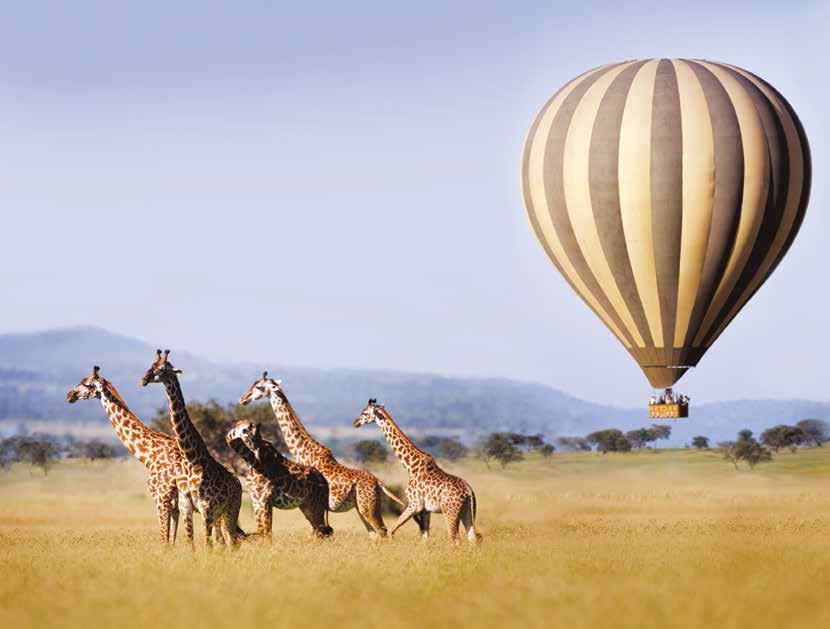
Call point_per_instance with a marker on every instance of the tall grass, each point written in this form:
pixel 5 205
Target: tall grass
pixel 673 539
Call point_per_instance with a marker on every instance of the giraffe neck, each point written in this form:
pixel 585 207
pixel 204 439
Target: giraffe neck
pixel 406 451
pixel 135 436
pixel 188 438
pixel 244 453
pixel 297 438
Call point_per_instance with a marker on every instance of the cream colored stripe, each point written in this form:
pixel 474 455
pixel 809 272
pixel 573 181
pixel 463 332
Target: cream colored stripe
pixel 698 193
pixel 794 188
pixel 755 189
pixel 578 196
pixel 540 210
pixel 634 176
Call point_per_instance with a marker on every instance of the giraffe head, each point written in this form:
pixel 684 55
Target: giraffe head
pixel 90 387
pixel 247 432
pixel 262 388
pixel 161 370
pixel 371 413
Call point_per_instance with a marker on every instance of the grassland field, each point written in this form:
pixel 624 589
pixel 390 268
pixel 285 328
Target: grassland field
pixel 676 538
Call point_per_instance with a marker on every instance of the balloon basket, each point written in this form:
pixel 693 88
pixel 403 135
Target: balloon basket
pixel 668 411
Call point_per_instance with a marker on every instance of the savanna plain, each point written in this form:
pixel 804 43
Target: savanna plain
pixel 676 538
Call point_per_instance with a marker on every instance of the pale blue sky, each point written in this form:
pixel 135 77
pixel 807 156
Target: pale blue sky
pixel 336 184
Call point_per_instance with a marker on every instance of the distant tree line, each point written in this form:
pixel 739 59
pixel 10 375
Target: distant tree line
pixel 213 420
pixel 41 450
pixel 510 447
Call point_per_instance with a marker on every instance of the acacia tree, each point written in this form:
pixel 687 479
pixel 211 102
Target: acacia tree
pixel 213 421
pixel 746 448
pixel 816 431
pixel 659 431
pixel 700 442
pixel 639 437
pixel 783 436
pixel 609 440
pixel 573 443
pixel 499 446
pixel 370 452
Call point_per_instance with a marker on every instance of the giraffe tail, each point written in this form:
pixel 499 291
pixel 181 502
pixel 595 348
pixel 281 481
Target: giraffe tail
pixel 392 496
pixel 473 513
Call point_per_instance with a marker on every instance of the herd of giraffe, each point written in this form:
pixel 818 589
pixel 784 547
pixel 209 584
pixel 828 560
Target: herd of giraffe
pixel 184 477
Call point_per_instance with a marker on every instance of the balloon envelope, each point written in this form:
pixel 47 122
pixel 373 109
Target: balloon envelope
pixel 666 191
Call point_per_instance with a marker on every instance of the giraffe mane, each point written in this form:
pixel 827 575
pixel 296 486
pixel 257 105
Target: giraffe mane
pixel 114 392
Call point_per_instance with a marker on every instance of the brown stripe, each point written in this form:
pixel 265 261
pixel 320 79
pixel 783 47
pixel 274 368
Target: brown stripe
pixel 531 213
pixel 787 182
pixel 807 172
pixel 605 198
pixel 555 192
pixel 729 177
pixel 666 190
pixel 776 199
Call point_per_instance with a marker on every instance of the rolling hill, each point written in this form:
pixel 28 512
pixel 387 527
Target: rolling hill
pixel 37 369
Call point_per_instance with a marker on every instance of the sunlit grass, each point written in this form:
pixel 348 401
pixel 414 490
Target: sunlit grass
pixel 668 539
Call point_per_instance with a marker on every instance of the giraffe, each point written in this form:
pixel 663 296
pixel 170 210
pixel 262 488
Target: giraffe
pixel 274 481
pixel 217 493
pixel 348 488
pixel 430 489
pixel 159 453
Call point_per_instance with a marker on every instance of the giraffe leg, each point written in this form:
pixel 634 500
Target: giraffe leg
pixel 369 528
pixel 370 506
pixel 263 516
pixel 218 538
pixel 230 517
pixel 208 518
pixel 452 513
pixel 468 518
pixel 174 522
pixel 227 526
pixel 163 509
pixel 403 518
pixel 315 513
pixel 424 524
pixel 186 508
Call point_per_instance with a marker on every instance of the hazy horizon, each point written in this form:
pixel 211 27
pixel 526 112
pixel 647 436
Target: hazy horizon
pixel 338 186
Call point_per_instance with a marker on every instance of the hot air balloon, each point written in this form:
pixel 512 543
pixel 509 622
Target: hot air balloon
pixel 666 191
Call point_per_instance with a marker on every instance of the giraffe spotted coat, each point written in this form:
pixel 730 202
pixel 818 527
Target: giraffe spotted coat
pixel 216 492
pixel 167 469
pixel 429 489
pixel 348 488
pixel 276 482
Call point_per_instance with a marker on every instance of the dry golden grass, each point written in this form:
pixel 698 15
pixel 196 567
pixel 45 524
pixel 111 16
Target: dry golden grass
pixel 674 539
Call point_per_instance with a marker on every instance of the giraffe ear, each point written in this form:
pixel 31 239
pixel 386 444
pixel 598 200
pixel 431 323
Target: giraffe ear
pixel 278 381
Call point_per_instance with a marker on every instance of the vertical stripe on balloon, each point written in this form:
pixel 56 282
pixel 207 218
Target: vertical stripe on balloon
pixel 633 177
pixel 754 198
pixel 666 192
pixel 537 207
pixel 575 171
